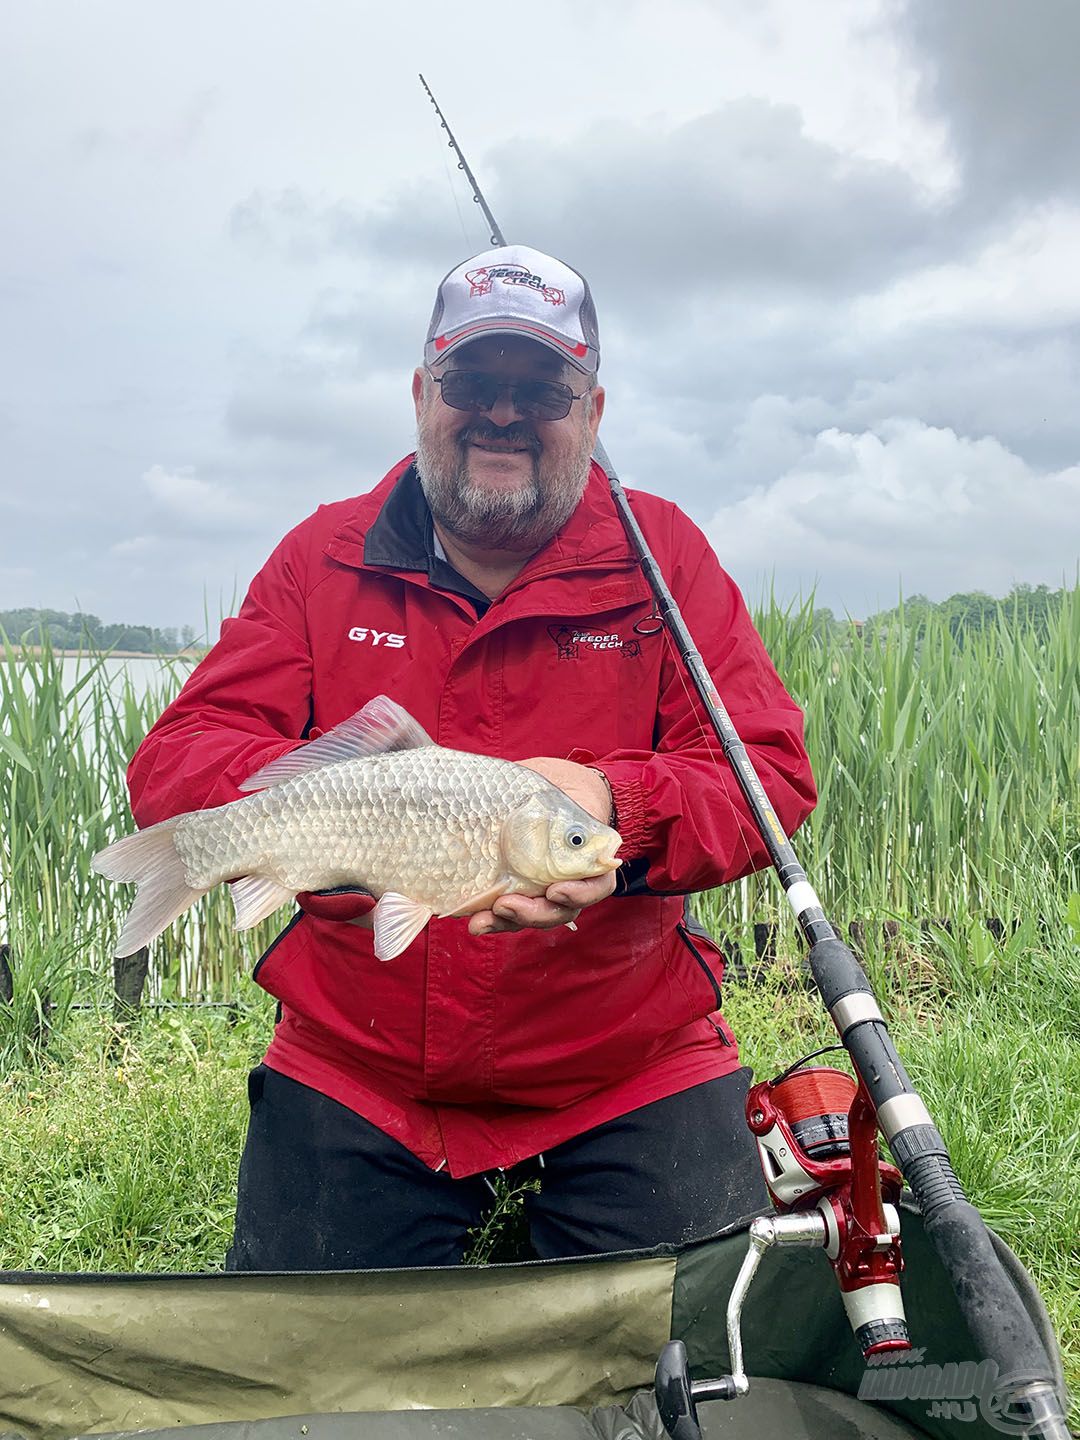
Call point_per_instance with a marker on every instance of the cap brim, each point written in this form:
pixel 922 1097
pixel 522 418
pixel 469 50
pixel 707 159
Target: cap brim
pixel 575 353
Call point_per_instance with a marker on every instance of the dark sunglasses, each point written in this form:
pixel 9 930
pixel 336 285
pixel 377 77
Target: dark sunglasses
pixel 477 393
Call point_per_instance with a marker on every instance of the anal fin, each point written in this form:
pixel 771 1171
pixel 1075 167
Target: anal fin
pixel 398 921
pixel 255 897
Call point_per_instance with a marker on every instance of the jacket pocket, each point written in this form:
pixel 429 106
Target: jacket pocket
pixel 709 958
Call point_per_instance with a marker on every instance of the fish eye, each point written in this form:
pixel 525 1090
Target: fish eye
pixel 575 838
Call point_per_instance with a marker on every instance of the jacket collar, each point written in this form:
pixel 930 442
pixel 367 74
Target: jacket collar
pixel 399 537
pixel 402 537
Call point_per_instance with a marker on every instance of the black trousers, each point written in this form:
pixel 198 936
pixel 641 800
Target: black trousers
pixel 323 1189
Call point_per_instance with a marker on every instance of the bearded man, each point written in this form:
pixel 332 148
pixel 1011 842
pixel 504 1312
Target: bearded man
pixel 487 585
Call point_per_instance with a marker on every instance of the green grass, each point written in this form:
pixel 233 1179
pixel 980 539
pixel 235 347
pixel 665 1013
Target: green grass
pixel 119 1147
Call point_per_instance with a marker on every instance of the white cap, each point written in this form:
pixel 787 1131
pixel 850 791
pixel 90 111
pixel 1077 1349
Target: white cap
pixel 517 291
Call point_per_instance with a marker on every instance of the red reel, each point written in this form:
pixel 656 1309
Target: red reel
pixel 817 1139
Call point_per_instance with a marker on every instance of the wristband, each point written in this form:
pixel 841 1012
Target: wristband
pixel 613 818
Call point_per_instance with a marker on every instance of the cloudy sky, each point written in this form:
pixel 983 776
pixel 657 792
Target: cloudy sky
pixel 833 247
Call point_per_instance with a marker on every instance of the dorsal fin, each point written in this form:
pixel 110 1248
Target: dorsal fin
pixel 381 726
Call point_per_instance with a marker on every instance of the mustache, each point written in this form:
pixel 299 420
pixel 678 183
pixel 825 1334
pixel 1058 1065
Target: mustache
pixel 515 434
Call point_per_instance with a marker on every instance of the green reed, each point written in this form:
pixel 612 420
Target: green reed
pixel 948 770
pixel 948 774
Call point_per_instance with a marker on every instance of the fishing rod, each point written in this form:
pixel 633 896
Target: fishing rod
pixel 463 164
pixel 1026 1385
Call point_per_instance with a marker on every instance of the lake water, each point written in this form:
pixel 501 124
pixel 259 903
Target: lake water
pixel 145 672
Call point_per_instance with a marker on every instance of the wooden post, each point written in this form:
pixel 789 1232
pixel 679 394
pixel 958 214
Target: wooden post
pixel 765 944
pixel 735 967
pixel 129 978
pixel 7 984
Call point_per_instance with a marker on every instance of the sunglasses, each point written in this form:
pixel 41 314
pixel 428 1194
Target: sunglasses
pixel 477 393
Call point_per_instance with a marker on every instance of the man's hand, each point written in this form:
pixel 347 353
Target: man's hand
pixel 564 901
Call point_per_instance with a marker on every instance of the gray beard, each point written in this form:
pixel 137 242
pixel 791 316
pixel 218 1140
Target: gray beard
pixel 519 520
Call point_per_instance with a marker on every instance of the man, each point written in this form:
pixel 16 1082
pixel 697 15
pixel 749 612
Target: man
pixel 487 585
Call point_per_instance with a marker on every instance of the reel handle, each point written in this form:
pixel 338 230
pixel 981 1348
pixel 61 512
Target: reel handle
pixel 677 1394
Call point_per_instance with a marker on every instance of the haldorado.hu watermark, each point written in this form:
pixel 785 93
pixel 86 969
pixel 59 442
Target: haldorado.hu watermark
pixel 958 1390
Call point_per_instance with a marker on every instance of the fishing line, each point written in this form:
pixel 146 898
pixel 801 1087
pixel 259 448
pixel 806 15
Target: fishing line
pixel 453 196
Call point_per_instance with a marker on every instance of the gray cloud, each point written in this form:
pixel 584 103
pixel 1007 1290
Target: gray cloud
pixel 379 327
pixel 739 199
pixel 188 504
pixel 1003 78
pixel 163 138
pixel 324 413
pixel 305 228
pixel 905 504
pixel 227 273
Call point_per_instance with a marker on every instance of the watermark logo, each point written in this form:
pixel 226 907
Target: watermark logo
pixel 959 1390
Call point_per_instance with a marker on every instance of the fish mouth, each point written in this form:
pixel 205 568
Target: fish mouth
pixel 608 863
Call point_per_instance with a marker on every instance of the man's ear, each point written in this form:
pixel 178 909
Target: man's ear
pixel 597 409
pixel 418 390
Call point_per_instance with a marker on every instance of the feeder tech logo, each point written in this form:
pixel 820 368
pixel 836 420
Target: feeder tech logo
pixel 961 1390
pixel 482 280
pixel 571 642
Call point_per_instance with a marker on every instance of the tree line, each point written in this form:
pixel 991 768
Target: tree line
pixel 1030 606
pixel 80 631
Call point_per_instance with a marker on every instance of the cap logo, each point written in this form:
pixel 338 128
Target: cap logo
pixel 482 280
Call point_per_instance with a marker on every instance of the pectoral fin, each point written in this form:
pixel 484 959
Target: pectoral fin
pixel 508 885
pixel 398 921
pixel 475 903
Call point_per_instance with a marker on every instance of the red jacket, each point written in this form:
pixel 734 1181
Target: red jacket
pixel 477 1052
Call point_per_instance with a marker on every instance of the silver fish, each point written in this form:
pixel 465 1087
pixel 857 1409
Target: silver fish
pixel 373 803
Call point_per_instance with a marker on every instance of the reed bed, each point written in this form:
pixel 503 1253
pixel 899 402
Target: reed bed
pixel 65 742
pixel 948 770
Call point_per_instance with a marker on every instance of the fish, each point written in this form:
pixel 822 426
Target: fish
pixel 373 804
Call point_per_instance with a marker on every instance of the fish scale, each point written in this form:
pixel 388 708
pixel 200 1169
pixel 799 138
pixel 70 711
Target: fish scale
pixel 373 804
pixel 363 817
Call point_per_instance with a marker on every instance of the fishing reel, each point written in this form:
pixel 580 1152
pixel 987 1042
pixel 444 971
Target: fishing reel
pixel 817 1139
pixel 816 1131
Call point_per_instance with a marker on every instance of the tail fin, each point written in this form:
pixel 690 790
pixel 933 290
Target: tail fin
pixel 150 861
